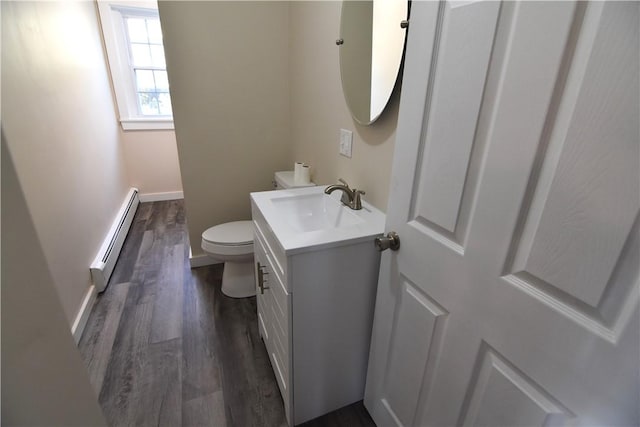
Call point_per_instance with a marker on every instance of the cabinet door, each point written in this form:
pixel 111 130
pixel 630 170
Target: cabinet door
pixel 274 333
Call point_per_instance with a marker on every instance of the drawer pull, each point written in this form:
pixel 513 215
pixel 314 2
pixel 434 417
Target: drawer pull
pixel 261 278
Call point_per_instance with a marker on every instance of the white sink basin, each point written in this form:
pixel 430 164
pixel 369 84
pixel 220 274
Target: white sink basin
pixel 307 218
pixel 309 212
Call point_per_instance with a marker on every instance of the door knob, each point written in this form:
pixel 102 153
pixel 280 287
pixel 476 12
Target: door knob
pixel 391 241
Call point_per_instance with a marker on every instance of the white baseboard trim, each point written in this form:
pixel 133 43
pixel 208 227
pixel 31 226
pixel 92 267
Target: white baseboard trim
pixel 201 260
pixel 83 314
pixel 158 197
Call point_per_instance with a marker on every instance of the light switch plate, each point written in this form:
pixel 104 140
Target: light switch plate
pixel 346 140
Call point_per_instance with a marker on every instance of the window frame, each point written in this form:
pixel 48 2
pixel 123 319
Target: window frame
pixel 122 75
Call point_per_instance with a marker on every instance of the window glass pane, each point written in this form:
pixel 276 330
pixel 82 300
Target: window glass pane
pixel 140 54
pixel 137 30
pixel 148 103
pixel 155 33
pixel 157 55
pixel 164 102
pixel 147 62
pixel 162 84
pixel 145 81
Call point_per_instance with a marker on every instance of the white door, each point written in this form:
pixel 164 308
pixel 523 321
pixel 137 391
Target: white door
pixel 513 299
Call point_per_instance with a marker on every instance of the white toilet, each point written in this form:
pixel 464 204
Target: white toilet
pixel 232 243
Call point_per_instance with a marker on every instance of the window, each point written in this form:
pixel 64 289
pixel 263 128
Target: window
pixel 133 39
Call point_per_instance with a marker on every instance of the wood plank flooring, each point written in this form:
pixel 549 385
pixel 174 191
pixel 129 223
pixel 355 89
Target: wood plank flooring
pixel 163 345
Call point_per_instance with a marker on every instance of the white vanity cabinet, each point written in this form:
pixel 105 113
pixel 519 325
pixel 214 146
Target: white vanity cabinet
pixel 315 311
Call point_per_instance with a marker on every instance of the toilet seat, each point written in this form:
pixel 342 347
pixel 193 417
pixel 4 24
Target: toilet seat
pixel 229 239
pixel 232 243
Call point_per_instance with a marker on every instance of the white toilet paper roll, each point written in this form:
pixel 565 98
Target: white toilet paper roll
pixel 305 175
pixel 297 172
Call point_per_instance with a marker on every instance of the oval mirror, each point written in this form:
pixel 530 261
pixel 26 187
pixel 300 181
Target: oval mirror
pixel 371 46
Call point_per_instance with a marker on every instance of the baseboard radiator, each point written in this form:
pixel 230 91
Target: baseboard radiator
pixel 105 261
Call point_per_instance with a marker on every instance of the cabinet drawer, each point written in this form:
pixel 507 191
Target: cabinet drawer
pixel 272 247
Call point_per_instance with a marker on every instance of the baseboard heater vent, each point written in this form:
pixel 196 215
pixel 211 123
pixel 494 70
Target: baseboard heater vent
pixel 102 266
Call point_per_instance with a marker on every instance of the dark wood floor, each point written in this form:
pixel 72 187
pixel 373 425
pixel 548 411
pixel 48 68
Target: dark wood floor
pixel 163 345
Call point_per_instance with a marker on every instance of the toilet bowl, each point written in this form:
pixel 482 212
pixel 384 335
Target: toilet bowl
pixel 232 243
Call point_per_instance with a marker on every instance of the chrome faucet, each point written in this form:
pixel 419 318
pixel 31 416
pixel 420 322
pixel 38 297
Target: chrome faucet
pixel 350 197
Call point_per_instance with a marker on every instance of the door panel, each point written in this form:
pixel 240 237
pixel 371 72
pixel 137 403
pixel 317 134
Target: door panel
pixel 418 325
pixel 459 74
pixel 500 395
pixel 516 195
pixel 572 237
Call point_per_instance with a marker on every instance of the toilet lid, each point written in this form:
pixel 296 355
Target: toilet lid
pixel 231 233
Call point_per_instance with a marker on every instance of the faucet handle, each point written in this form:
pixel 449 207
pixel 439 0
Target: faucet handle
pixel 343 182
pixel 357 201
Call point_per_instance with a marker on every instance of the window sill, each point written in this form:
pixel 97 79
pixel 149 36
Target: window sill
pixel 146 124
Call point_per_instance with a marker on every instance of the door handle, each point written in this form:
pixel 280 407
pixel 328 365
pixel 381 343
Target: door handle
pixel 261 275
pixel 391 241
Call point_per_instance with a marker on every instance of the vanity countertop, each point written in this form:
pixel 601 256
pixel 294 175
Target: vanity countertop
pixel 306 219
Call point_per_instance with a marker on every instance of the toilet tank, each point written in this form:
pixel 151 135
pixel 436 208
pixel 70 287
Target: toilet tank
pixel 284 179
